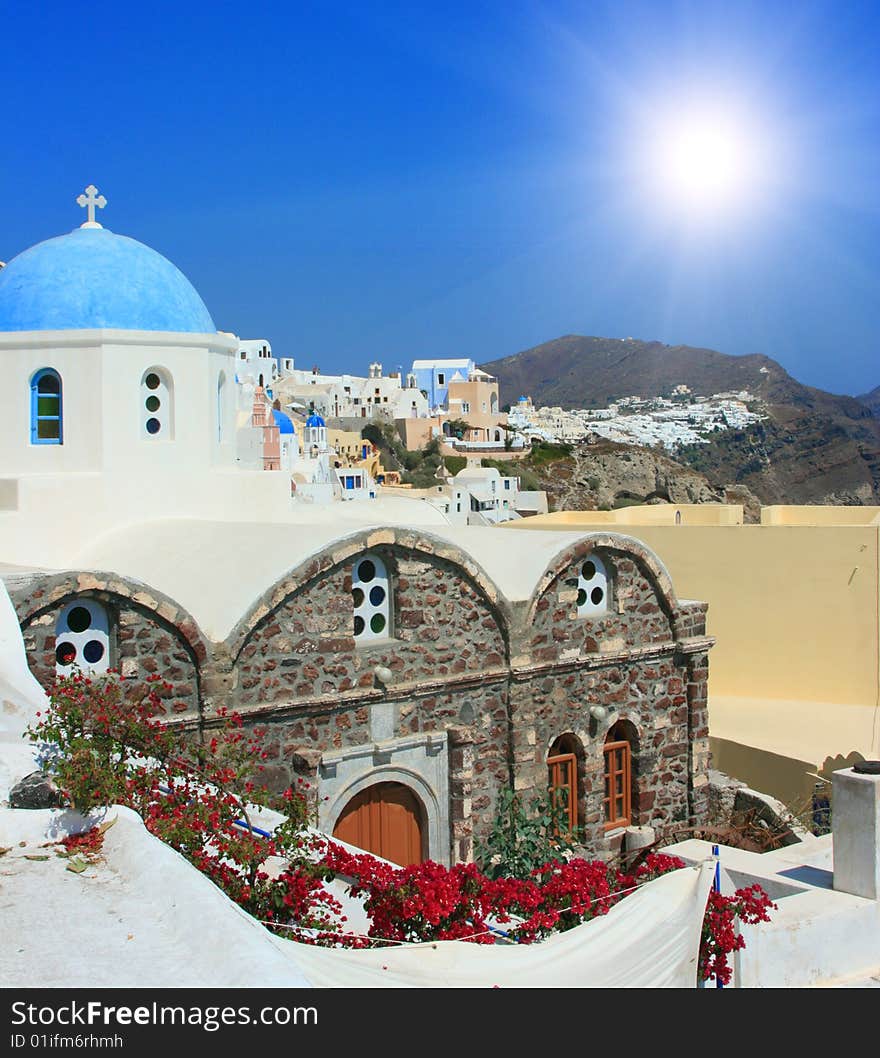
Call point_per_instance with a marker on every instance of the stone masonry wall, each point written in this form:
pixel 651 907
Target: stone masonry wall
pixel 636 614
pixel 142 642
pixel 652 696
pixel 305 648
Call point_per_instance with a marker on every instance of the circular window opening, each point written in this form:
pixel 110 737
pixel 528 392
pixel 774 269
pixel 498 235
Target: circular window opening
pixel 377 595
pixel 79 619
pixel 357 596
pixel 589 570
pixel 597 595
pixel 366 571
pixel 153 426
pixel 358 625
pixel 152 381
pixel 377 623
pixel 153 403
pixel 93 651
pixel 65 653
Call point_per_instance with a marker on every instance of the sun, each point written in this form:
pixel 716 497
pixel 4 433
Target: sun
pixel 704 161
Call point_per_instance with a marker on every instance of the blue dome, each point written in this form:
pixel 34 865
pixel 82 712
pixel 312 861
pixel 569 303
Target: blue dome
pixel 315 420
pixel 282 421
pixel 92 278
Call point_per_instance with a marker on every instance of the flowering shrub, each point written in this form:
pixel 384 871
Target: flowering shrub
pixel 428 902
pixel 719 938
pixel 105 741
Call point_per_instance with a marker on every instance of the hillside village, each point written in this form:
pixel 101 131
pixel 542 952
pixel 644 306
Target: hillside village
pixel 417 655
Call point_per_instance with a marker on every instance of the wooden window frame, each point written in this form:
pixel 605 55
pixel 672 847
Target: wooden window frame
pixel 554 767
pixel 613 820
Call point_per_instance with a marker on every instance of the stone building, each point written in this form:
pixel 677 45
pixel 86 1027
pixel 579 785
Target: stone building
pixel 409 668
pixel 392 666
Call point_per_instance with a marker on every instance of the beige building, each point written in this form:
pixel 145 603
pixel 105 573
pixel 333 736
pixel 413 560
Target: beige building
pixel 794 687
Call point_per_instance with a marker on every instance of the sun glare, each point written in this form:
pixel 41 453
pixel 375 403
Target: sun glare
pixel 704 162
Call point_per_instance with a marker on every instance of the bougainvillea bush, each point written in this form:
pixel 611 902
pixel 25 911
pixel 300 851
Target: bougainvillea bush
pixel 106 741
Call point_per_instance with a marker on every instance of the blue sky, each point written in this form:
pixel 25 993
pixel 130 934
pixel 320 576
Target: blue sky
pixel 389 181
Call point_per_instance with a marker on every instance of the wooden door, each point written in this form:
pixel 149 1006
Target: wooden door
pixel 385 819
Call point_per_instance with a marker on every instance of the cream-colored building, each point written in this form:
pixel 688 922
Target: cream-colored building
pixel 794 685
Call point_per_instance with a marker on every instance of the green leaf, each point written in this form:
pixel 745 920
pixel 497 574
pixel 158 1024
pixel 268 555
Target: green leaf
pixel 77 864
pixel 34 856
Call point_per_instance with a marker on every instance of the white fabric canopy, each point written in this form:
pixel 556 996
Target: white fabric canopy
pixel 651 939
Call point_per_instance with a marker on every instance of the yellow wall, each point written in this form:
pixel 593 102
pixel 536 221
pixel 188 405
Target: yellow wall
pixel 650 514
pixel 815 515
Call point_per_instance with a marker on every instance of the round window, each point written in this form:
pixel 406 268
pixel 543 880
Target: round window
pixel 357 596
pixel 358 625
pixel 93 651
pixel 79 619
pixel 152 381
pixel 377 623
pixel 153 403
pixel 589 570
pixel 65 653
pixel 366 571
pixel 377 595
pixel 153 426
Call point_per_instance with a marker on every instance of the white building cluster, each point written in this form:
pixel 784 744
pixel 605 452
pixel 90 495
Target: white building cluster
pixel 640 421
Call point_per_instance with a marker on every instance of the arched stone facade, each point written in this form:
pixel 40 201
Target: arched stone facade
pixel 467 694
pixel 149 633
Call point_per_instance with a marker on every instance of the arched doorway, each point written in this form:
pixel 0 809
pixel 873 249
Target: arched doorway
pixel 387 820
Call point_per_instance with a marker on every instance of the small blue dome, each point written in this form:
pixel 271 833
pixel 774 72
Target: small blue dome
pixel 92 278
pixel 315 420
pixel 523 400
pixel 282 421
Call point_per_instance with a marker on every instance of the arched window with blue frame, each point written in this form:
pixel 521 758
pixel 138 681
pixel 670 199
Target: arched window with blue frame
pixel 46 412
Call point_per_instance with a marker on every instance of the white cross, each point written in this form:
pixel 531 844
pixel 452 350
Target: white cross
pixel 91 199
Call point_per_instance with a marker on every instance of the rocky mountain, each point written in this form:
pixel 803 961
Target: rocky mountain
pixel 604 474
pixel 872 401
pixel 814 447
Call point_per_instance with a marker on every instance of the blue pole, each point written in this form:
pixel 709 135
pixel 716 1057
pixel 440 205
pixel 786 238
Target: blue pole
pixel 716 885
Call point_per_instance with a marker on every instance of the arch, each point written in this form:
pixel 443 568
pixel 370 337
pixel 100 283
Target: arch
pixel 417 542
pixel 82 638
pixel 47 416
pixel 47 594
pixel 435 819
pixel 387 819
pixel 157 405
pixel 612 545
pixel 493 404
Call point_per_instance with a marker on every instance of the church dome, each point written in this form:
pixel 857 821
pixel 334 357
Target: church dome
pixel 282 421
pixel 93 278
pixel 315 421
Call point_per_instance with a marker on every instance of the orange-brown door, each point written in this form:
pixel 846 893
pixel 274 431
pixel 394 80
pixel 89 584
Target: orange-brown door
pixel 385 819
